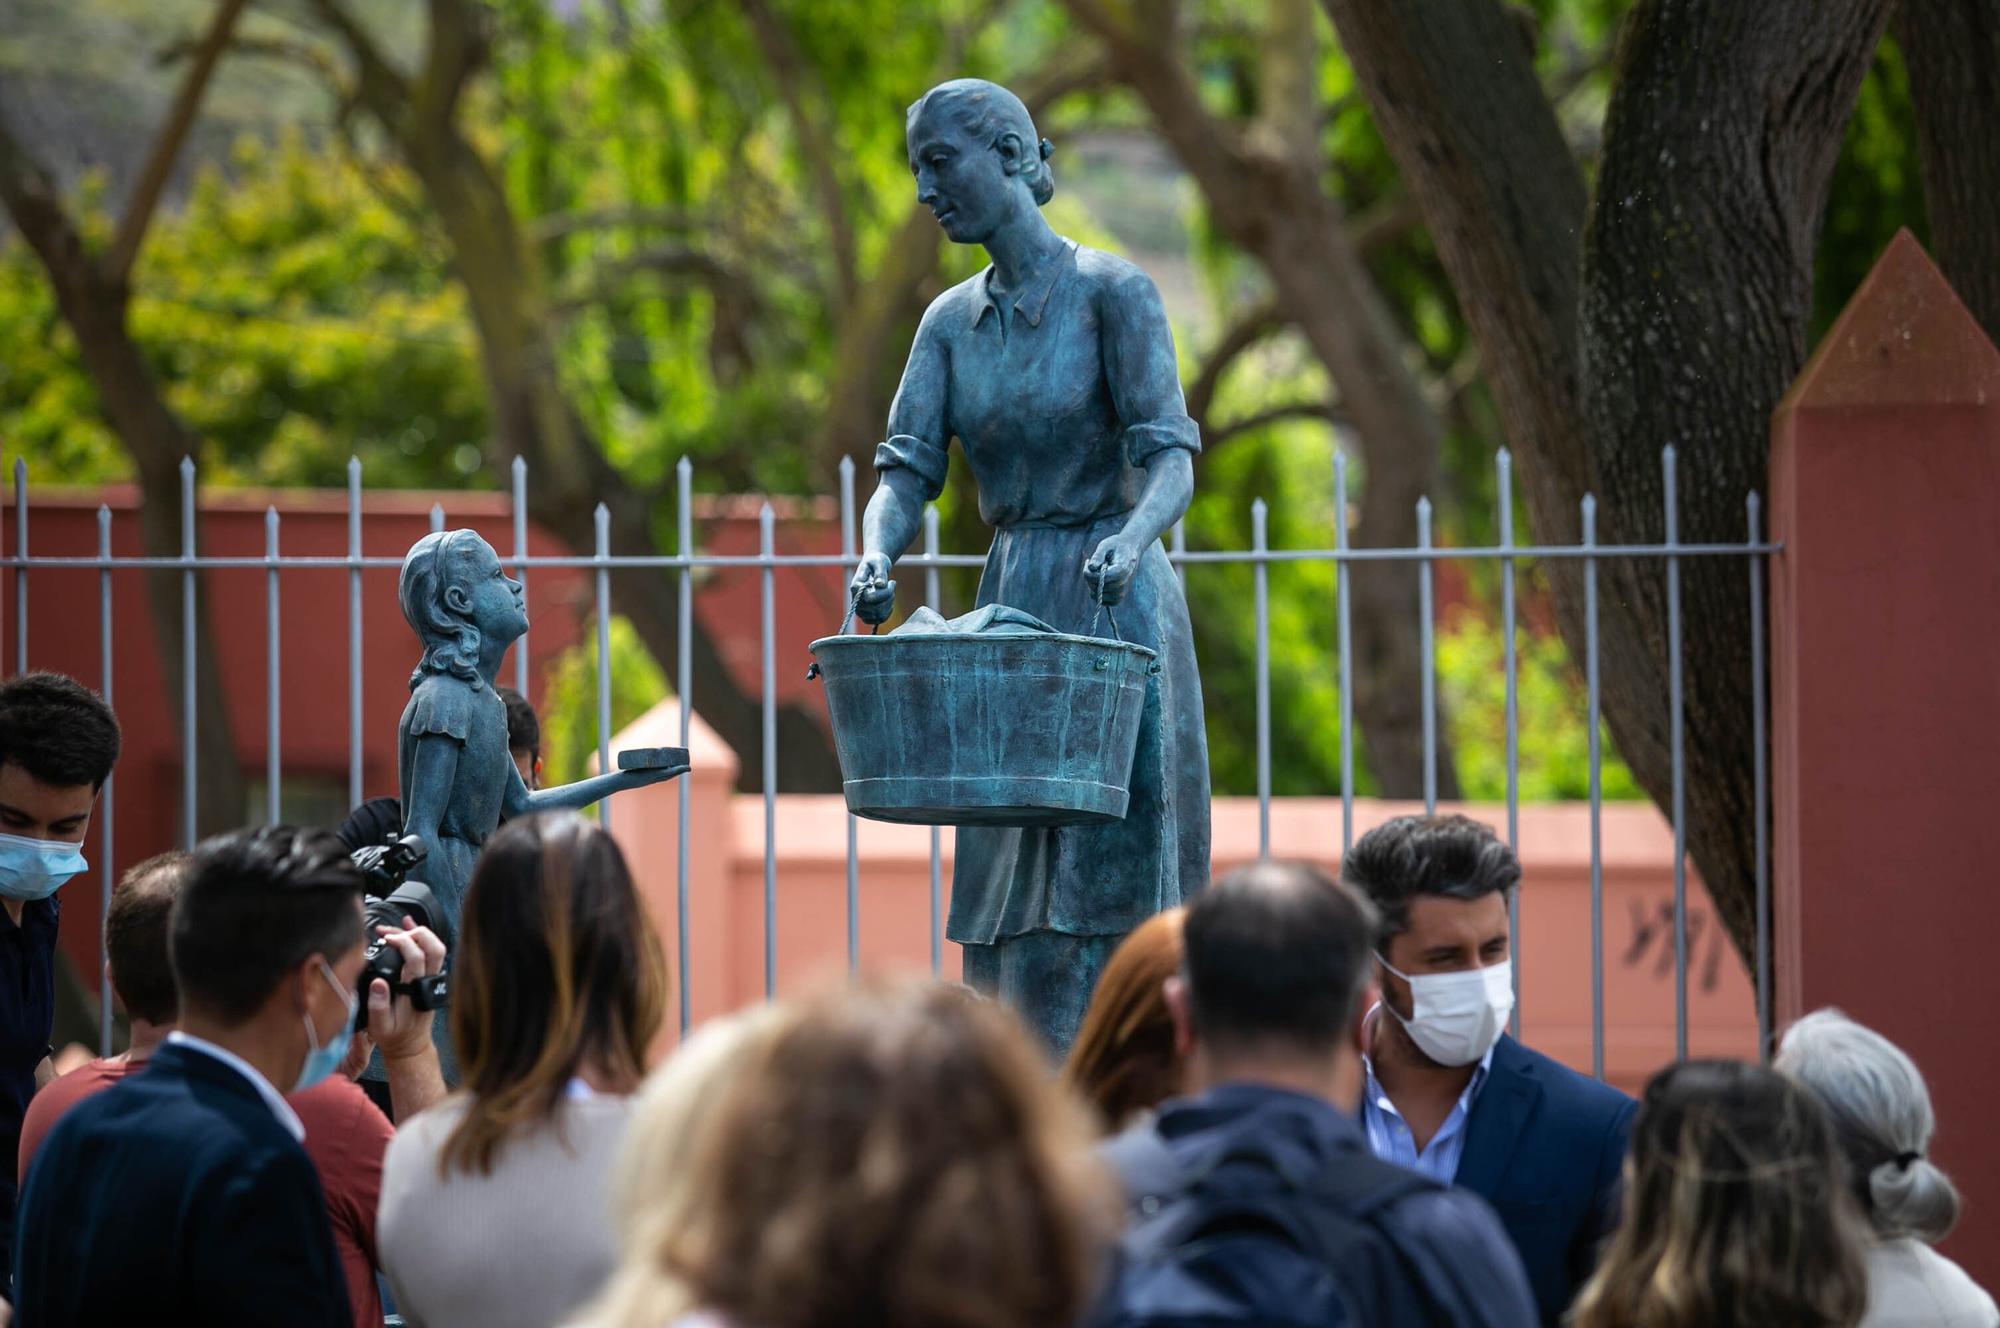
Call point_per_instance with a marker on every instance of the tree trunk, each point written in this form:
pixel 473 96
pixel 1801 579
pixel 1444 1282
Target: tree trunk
pixel 1952 49
pixel 1269 203
pixel 1721 137
pixel 1683 323
pixel 94 305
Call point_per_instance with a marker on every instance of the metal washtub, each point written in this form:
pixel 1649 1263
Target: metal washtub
pixel 1004 727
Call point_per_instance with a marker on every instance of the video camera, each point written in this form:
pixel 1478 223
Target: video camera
pixel 390 897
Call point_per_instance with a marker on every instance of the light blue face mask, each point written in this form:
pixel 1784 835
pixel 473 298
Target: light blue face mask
pixel 322 1061
pixel 34 868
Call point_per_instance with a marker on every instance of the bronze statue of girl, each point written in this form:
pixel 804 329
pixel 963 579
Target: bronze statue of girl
pixel 457 776
pixel 1055 370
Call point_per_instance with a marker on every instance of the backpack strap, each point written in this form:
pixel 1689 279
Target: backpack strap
pixel 1145 1164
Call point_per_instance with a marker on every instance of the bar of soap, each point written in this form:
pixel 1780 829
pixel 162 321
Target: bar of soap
pixel 652 758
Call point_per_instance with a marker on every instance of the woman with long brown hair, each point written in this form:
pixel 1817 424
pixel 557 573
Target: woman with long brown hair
pixel 893 1155
pixel 495 1203
pixel 1124 1062
pixel 1736 1211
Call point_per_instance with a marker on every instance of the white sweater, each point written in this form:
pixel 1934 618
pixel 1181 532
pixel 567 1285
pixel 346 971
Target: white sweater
pixel 1911 1284
pixel 523 1247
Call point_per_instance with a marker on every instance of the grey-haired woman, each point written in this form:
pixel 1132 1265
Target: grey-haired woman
pixel 1882 1118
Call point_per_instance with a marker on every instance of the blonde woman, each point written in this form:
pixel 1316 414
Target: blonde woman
pixel 655 1202
pixel 1735 1215
pixel 1882 1118
pixel 893 1155
pixel 496 1202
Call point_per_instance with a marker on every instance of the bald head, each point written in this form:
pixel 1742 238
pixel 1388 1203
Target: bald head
pixel 1277 955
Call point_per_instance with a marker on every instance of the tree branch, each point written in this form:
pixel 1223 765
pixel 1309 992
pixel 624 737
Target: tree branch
pixel 1251 327
pixel 559 225
pixel 379 87
pixel 792 72
pixel 167 143
pixel 312 59
pixel 1291 410
pixel 457 46
pixel 669 260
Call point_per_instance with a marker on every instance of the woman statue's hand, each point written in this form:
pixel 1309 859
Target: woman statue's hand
pixel 873 592
pixel 1111 568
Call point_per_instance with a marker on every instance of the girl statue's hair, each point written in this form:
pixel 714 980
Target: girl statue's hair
pixel 451 642
pixel 986 111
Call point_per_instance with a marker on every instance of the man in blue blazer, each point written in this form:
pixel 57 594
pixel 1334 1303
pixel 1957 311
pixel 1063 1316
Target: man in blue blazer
pixel 182 1194
pixel 1447 1092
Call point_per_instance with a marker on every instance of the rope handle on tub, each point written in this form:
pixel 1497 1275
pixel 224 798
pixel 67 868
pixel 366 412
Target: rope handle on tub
pixel 846 621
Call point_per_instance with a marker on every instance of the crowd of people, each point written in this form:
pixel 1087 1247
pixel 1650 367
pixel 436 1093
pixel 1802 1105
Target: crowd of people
pixel 1292 1101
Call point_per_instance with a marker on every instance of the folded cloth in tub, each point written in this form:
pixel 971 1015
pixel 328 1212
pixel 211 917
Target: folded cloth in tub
pixel 993 620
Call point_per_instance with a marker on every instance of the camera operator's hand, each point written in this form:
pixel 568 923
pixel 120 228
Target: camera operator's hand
pixel 397 1027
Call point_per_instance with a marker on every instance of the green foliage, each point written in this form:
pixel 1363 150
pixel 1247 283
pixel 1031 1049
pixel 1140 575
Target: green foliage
pixel 569 698
pixel 292 317
pixel 1550 702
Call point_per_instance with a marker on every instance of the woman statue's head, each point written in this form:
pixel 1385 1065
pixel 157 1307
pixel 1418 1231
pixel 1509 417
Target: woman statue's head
pixel 1735 1213
pixel 557 970
pixel 457 599
pixel 1123 1061
pixel 977 160
pixel 896 1155
pixel 1881 1113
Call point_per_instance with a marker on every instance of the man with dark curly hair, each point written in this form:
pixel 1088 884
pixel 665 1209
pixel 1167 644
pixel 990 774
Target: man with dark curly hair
pixel 58 742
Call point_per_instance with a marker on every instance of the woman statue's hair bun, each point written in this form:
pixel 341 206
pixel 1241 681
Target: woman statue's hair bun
pixel 1047 149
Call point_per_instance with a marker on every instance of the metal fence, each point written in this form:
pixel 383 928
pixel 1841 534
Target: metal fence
pixel 1753 550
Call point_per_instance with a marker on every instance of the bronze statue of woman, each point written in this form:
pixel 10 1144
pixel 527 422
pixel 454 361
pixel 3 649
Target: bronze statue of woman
pixel 1054 368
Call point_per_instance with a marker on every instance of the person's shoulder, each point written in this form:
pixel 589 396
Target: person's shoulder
pixel 1906 1273
pixel 1464 1252
pixel 953 308
pixel 86 1079
pixel 1111 274
pixel 441 703
pixel 78 1098
pixel 338 1111
pixel 1107 268
pixel 1570 1092
pixel 420 1138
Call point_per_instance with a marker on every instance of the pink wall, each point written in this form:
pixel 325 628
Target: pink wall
pixel 726 891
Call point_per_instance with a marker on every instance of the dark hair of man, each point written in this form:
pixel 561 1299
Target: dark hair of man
pixel 58 730
pixel 135 937
pixel 1451 857
pixel 255 903
pixel 524 730
pixel 1276 954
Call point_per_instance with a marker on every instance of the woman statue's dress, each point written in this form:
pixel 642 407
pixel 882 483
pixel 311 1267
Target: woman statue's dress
pixel 1059 394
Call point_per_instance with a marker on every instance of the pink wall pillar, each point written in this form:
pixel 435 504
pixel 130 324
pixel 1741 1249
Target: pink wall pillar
pixel 1885 677
pixel 646 824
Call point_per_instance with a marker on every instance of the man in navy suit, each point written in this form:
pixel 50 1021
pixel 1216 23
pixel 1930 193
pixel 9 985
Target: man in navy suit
pixel 1448 1093
pixel 183 1194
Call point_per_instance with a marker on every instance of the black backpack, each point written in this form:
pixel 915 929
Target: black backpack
pixel 1249 1239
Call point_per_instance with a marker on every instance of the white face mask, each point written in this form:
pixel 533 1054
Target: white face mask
pixel 1455 1018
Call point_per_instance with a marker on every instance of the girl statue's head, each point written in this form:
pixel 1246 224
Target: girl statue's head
pixel 458 600
pixel 977 160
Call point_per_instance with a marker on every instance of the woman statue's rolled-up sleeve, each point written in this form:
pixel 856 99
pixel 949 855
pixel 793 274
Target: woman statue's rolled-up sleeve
pixel 1139 365
pixel 919 431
